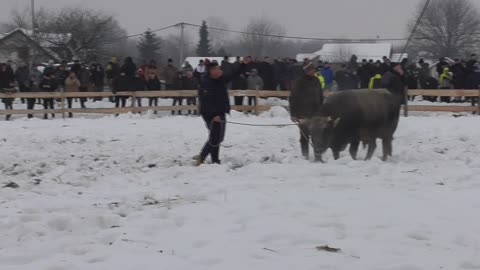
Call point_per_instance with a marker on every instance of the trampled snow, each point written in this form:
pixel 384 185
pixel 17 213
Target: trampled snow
pixel 121 193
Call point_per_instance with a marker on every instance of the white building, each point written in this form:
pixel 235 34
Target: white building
pixel 342 52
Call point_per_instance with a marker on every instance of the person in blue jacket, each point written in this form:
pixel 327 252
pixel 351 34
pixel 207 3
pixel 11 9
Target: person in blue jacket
pixel 327 74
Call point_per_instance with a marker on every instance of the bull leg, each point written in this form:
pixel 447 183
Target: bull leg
pixel 372 146
pixel 354 149
pixel 386 144
pixel 336 155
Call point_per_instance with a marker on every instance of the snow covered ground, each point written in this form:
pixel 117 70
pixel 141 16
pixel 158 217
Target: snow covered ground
pixel 120 194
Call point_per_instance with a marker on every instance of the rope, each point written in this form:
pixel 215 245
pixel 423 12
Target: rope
pixel 260 125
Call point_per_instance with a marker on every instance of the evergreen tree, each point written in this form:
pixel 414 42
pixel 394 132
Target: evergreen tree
pixel 149 46
pixel 203 47
pixel 222 52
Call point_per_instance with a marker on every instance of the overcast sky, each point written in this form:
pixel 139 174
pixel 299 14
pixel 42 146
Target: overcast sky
pixel 316 18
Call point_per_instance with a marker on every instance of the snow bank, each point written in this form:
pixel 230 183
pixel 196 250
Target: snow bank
pixel 120 193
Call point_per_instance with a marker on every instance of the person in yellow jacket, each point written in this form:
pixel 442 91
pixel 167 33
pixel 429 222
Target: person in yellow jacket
pixel 375 82
pixel 321 79
pixel 445 82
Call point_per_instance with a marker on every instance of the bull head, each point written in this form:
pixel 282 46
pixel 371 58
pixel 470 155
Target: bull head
pixel 322 130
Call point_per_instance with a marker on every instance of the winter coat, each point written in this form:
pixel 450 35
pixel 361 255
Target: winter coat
pixel 226 67
pixel 254 82
pixel 265 70
pixel 345 80
pixel 327 74
pixel 213 96
pixel 76 68
pixel 239 80
pixel 121 84
pixel 375 82
pixel 72 85
pixel 170 74
pixel 84 78
pixel 49 70
pixel 6 80
pixel 190 83
pixel 306 98
pixel 441 66
pixel 96 77
pixel 394 82
pixel 137 84
pixel 61 76
pixel 153 85
pixel 429 83
pixel 445 79
pixel 48 85
pixel 473 80
pixel 112 70
pixel 129 68
pixel 459 76
pixel 22 76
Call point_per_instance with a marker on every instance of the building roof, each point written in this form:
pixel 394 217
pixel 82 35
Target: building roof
pixel 338 52
pixel 26 33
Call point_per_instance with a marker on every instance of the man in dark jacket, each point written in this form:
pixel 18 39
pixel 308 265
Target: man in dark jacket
pixel 48 84
pixel 138 84
pixel 214 105
pixel 22 76
pixel 306 100
pixel 121 84
pixel 345 79
pixel 394 81
pixel 61 75
pixel 191 83
pixel 265 71
pixel 76 67
pixel 129 68
pixel 7 83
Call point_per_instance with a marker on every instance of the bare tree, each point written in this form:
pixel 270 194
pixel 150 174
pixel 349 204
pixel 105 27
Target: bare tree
pixel 256 40
pixel 448 28
pixel 72 32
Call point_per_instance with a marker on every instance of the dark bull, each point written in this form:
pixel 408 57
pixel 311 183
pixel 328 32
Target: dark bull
pixel 351 117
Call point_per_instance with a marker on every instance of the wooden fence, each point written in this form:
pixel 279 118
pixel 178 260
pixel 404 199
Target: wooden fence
pixel 193 94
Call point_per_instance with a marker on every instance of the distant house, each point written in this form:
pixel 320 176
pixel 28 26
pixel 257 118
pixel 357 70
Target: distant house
pixel 20 47
pixel 342 52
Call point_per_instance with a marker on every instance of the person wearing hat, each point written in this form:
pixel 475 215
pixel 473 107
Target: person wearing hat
pixel 394 81
pixel 254 82
pixel 77 67
pixel 306 100
pixel 170 75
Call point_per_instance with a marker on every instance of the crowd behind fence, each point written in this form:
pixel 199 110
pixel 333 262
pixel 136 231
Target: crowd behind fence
pixel 57 87
pixel 61 97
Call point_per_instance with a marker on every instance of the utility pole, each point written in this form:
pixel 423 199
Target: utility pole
pixel 33 50
pixel 182 43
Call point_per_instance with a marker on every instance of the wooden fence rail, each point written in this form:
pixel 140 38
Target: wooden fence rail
pixel 193 94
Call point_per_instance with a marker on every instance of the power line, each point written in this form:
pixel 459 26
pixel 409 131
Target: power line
pixel 139 34
pixel 295 37
pixel 417 23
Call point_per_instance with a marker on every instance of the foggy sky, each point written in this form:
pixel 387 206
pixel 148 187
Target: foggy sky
pixel 315 18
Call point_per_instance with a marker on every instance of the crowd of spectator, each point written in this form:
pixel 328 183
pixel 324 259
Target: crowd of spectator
pixel 250 73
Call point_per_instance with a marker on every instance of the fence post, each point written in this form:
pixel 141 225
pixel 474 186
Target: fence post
pixel 478 103
pixel 257 97
pixel 133 102
pixel 62 98
pixel 405 108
